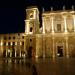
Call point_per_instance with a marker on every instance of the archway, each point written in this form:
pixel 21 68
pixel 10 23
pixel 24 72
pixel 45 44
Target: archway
pixel 60 48
pixel 60 51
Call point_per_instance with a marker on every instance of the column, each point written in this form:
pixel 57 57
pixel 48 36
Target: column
pixel 6 49
pixel 19 50
pixel 43 23
pixel 65 25
pixel 11 53
pixel 15 53
pixel 2 45
pixel 20 47
pixel 53 47
pixel 67 51
pixel 11 50
pixel 37 46
pixel 20 53
pixel 52 24
pixel 6 53
pixel 11 44
pixel 34 14
pixel 25 47
pixel 43 46
pixel 27 26
pixel 15 49
pixel 74 22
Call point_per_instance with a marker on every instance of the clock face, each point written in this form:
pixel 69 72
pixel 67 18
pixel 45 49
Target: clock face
pixel 31 14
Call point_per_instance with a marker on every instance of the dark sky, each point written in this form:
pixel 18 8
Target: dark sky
pixel 12 14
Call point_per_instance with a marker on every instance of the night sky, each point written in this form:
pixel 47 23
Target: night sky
pixel 12 14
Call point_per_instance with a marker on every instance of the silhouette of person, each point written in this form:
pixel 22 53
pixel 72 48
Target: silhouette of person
pixel 34 71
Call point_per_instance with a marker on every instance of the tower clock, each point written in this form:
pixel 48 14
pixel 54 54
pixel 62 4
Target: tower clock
pixel 32 20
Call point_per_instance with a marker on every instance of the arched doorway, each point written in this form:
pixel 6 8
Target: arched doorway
pixel 60 49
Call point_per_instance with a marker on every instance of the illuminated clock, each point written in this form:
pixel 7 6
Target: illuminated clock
pixel 31 14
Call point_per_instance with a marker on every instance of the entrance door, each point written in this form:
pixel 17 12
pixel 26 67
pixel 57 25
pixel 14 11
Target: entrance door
pixel 60 51
pixel 30 52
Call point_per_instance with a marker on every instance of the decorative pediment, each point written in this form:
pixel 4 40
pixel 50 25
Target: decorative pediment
pixel 58 17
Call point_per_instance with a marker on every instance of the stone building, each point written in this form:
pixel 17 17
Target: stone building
pixel 55 38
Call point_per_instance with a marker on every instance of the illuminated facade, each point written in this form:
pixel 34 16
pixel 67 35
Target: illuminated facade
pixel 55 38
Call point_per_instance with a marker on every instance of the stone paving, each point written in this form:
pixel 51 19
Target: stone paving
pixel 48 66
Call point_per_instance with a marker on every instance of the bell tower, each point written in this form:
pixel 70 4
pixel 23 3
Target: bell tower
pixel 32 20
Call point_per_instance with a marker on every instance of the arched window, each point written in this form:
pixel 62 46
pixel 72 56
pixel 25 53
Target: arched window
pixel 31 29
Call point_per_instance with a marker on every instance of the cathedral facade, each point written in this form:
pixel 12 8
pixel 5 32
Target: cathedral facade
pixel 55 38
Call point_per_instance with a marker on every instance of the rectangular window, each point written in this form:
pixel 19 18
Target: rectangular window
pixel 58 27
